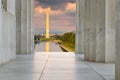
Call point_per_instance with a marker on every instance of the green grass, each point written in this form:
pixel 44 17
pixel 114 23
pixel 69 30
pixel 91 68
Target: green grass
pixel 47 39
pixel 69 46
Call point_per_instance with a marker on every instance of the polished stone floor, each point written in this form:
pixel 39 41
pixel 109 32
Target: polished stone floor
pixel 55 66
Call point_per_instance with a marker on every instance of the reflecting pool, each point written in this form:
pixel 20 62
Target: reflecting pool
pixel 48 47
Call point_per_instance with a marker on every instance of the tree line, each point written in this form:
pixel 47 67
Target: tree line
pixel 68 37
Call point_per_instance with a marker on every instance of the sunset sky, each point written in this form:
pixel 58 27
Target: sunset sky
pixel 62 15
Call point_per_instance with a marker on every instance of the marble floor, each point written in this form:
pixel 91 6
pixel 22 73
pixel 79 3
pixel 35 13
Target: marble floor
pixel 55 66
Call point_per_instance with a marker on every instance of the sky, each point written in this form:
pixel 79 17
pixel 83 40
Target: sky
pixel 62 16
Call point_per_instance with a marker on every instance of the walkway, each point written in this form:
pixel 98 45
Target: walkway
pixel 55 66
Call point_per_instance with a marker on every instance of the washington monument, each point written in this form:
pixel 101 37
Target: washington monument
pixel 47 23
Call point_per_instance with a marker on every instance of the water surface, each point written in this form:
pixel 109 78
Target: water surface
pixel 48 47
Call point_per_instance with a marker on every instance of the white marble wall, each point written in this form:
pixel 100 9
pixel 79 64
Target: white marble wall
pixel 12 20
pixel 7 27
pixel 1 51
pixel 11 7
pixel 16 29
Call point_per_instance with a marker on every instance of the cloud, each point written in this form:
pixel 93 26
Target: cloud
pixel 71 6
pixel 54 4
pixel 70 9
pixel 39 9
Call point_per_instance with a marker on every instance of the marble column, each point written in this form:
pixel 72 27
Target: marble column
pixel 29 26
pixel 87 29
pixel 18 26
pixel 110 31
pixel 105 44
pixel 100 35
pixel 24 26
pixel 32 26
pixel 80 26
pixel 117 68
pixel 92 32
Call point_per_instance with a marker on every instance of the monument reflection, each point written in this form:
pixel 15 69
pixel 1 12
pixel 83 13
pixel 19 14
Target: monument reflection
pixel 47 46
